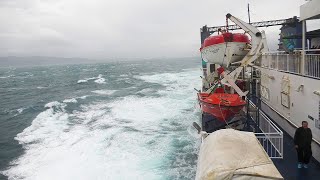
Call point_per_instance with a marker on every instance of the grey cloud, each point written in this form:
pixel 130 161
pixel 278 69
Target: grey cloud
pixel 122 28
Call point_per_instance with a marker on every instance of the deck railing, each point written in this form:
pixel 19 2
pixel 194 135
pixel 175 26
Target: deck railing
pixel 293 62
pixel 269 135
pixel 312 65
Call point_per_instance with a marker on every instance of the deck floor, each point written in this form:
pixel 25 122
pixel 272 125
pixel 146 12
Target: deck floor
pixel 288 165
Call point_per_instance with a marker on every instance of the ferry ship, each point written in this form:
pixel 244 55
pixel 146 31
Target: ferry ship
pixel 283 86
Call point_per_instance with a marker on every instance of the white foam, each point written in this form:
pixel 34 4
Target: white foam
pixel 5 77
pixel 82 81
pixel 104 92
pixel 83 97
pixel 41 87
pixel 20 110
pixel 73 100
pixel 52 104
pixel 127 138
pixel 99 79
pixel 146 91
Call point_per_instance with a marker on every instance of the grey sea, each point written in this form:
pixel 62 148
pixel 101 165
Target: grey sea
pixel 116 120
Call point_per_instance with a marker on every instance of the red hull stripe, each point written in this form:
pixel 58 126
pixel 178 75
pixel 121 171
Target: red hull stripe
pixel 226 37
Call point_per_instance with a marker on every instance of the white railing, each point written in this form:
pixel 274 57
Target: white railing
pixel 312 65
pixel 271 136
pixel 292 62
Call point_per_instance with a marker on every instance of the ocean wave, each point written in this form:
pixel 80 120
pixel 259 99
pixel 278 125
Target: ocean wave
pixel 99 79
pixel 146 91
pixel 17 111
pixel 82 81
pixel 73 100
pixel 20 110
pixel 104 92
pixel 5 77
pixel 100 139
pixel 53 104
pixel 25 75
pixel 83 97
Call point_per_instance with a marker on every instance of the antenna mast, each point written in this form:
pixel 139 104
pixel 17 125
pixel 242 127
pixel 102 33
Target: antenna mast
pixel 249 13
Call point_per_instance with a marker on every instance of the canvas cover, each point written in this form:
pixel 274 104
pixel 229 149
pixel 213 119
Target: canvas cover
pixel 231 154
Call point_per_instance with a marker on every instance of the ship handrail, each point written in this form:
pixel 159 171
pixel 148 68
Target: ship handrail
pixel 267 118
pixel 270 140
pixel 309 66
pixel 270 131
pixel 276 133
pixel 295 51
pixel 289 72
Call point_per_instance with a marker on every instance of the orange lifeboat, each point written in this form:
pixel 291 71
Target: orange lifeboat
pixel 222 106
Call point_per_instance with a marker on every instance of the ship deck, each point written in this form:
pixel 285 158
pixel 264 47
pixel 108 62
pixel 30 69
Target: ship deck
pixel 288 165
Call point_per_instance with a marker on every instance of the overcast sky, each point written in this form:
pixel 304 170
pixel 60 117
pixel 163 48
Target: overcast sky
pixel 124 28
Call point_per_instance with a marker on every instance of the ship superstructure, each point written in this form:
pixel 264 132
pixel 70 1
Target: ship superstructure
pixel 290 80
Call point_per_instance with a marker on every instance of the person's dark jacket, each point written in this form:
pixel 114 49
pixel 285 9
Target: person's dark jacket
pixel 303 137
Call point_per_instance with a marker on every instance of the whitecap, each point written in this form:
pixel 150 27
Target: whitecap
pixel 5 77
pixel 109 135
pixel 20 110
pixel 73 100
pixel 83 97
pixel 104 92
pixel 52 104
pixel 100 81
pixel 146 91
pixel 82 81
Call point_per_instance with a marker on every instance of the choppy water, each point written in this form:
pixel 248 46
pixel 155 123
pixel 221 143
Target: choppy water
pixel 125 120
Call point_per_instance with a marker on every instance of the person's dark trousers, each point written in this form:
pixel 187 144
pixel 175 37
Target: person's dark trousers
pixel 304 154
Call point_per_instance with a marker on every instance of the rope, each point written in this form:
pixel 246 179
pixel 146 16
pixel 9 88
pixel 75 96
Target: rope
pixel 227 103
pixel 223 115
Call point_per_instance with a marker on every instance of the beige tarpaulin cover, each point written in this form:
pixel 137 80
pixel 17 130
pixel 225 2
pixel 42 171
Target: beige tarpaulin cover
pixel 231 154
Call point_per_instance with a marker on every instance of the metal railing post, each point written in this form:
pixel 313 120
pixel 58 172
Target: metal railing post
pixel 288 68
pixel 269 61
pixel 270 137
pixel 277 63
pixel 303 46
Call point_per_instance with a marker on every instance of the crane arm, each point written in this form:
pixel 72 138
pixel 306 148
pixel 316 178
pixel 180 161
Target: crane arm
pixel 256 35
pixel 259 45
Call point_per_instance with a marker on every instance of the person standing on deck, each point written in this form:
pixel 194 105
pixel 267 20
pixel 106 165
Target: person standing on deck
pixel 302 141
